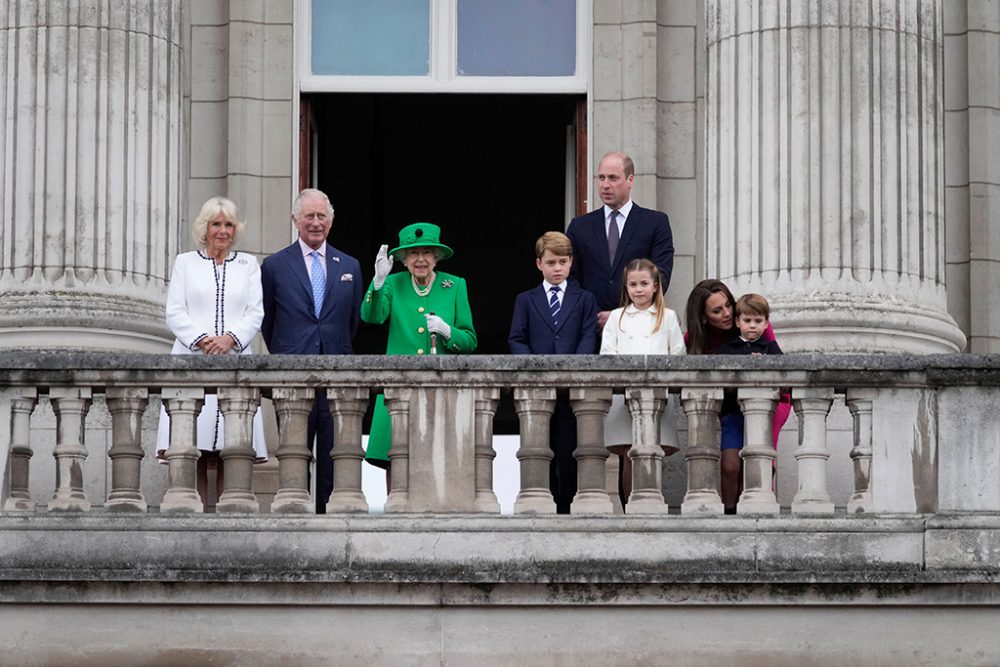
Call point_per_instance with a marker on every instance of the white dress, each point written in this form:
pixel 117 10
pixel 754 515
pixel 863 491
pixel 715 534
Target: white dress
pixel 630 331
pixel 209 299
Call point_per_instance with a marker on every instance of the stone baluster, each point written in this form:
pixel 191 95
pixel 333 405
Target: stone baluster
pixel 22 404
pixel 812 405
pixel 534 410
pixel 71 405
pixel 347 405
pixel 702 455
pixel 126 406
pixel 646 405
pixel 758 404
pixel 859 402
pixel 397 404
pixel 486 400
pixel 590 406
pixel 182 405
pixel 238 405
pixel 292 405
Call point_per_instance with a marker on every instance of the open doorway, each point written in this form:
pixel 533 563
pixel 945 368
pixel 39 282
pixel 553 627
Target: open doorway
pixel 493 171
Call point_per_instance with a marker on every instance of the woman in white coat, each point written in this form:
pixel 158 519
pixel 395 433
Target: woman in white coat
pixel 214 306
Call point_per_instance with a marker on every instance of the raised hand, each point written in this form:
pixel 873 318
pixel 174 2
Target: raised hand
pixel 383 265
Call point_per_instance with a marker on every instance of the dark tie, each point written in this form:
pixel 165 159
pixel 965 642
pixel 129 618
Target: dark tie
pixel 554 304
pixel 613 236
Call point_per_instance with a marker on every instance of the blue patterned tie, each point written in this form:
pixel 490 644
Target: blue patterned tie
pixel 318 281
pixel 554 304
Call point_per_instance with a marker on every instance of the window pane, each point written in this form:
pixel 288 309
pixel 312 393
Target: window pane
pixel 371 37
pixel 516 37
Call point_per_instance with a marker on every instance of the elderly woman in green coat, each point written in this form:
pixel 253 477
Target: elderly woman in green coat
pixel 428 312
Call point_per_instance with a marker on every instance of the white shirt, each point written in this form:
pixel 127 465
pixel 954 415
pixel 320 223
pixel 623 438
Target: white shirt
pixel 306 251
pixel 561 291
pixel 620 219
pixel 630 331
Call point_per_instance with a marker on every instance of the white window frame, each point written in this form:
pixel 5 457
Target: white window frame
pixel 442 77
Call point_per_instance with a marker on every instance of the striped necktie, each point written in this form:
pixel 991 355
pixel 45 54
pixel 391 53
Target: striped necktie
pixel 554 304
pixel 318 281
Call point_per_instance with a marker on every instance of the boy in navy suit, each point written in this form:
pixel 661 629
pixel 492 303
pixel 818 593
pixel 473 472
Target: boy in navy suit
pixel 556 317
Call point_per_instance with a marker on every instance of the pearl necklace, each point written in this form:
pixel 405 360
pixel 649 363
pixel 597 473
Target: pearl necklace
pixel 423 291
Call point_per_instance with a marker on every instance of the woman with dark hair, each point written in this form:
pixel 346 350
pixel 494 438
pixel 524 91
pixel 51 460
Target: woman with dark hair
pixel 711 322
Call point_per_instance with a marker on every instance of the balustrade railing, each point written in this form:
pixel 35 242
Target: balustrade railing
pixel 443 410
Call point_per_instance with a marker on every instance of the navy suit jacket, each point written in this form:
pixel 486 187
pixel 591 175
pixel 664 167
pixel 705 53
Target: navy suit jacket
pixel 646 235
pixel 532 331
pixel 290 324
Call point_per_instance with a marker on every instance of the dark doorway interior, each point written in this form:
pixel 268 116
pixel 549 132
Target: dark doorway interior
pixel 489 169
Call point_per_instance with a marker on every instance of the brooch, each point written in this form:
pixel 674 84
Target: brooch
pixel 447 283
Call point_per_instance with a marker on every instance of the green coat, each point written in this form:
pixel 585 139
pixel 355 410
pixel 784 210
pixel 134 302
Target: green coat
pixel 397 302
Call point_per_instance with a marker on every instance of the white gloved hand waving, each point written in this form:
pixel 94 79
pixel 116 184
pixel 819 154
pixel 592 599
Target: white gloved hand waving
pixel 436 325
pixel 383 265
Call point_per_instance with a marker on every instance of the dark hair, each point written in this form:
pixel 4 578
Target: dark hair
pixel 658 301
pixel 698 334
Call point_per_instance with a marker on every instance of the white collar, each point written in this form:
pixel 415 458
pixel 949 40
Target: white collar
pixel 625 209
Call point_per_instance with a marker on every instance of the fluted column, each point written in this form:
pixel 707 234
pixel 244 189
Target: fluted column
pixel 90 136
pixel 182 406
pixel 238 405
pixel 487 399
pixel 397 404
pixel 347 405
pixel 758 454
pixel 591 407
pixel 126 405
pixel 71 405
pixel 825 158
pixel 292 405
pixel 21 407
pixel 702 454
pixel 860 403
pixel 534 410
pixel 812 405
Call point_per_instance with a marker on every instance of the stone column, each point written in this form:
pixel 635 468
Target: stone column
pixel 71 405
pixel 486 399
pixel 646 406
pixel 397 404
pixel 758 453
pixel 534 410
pixel 238 405
pixel 182 406
pixel 90 135
pixel 591 408
pixel 21 407
pixel 825 169
pixel 702 455
pixel 292 405
pixel 812 405
pixel 126 405
pixel 347 405
pixel 859 402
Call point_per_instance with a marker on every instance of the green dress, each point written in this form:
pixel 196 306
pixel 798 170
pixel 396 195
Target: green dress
pixel 399 303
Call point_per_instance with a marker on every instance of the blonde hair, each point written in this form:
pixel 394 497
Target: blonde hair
pixel 209 210
pixel 753 304
pixel 658 301
pixel 557 242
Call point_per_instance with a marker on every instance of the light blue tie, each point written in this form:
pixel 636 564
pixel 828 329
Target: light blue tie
pixel 318 281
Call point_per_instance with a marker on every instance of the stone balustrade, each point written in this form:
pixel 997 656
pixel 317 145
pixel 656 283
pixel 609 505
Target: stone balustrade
pixel 912 450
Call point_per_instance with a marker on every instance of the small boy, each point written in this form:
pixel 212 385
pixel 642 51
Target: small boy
pixel 752 316
pixel 556 317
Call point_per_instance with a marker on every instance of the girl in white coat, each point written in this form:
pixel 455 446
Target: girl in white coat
pixel 643 325
pixel 214 306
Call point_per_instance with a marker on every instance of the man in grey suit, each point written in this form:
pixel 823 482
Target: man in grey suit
pixel 312 305
pixel 608 238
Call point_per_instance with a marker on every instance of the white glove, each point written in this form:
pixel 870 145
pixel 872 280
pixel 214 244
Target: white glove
pixel 383 265
pixel 436 325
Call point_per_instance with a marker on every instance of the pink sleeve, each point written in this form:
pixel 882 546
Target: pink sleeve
pixel 768 333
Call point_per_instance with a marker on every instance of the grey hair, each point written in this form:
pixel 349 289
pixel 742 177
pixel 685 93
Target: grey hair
pixel 310 192
pixel 209 210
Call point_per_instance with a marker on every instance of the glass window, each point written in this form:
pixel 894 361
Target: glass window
pixel 516 37
pixel 371 37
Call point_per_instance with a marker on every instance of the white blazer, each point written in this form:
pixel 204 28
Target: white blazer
pixel 207 301
pixel 634 333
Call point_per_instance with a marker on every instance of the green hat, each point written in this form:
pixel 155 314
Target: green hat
pixel 420 235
